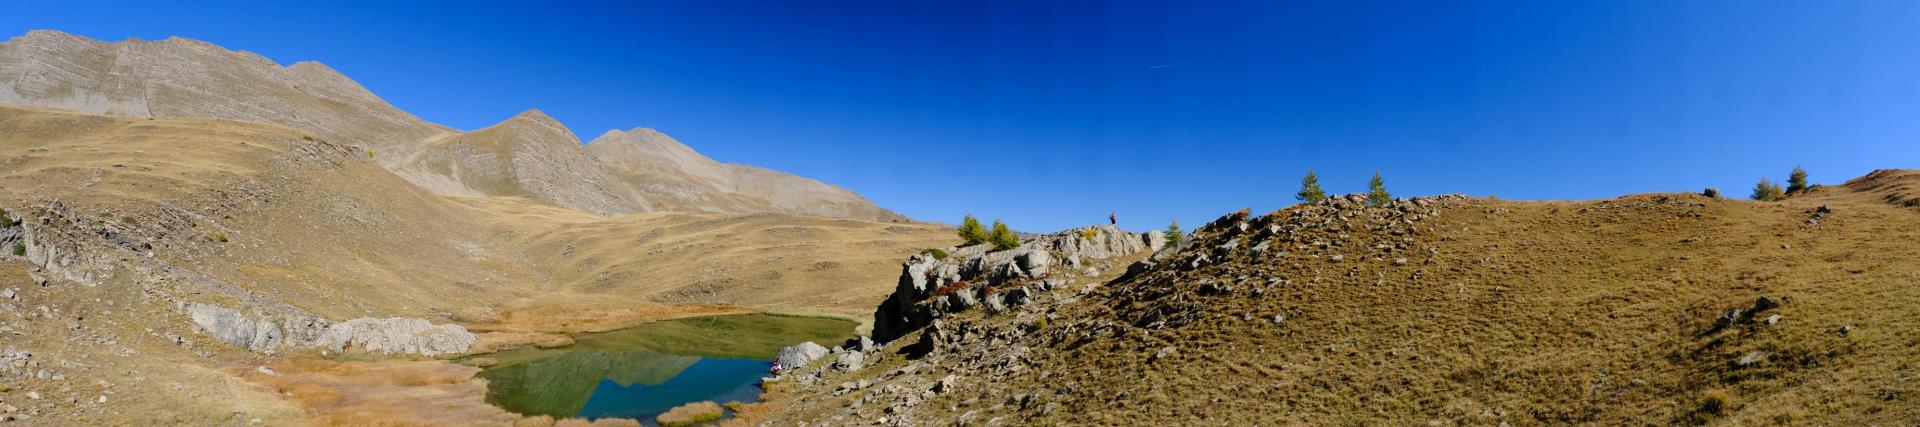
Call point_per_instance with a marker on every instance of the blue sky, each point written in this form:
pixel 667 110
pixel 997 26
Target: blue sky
pixel 1052 114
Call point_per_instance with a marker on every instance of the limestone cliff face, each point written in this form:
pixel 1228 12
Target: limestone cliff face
pixel 530 155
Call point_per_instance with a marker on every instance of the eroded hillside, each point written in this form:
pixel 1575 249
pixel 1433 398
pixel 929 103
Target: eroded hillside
pixel 1651 309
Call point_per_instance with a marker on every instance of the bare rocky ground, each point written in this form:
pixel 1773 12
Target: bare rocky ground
pixel 1655 309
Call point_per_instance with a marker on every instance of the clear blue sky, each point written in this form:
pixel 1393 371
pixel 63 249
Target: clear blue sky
pixel 1051 114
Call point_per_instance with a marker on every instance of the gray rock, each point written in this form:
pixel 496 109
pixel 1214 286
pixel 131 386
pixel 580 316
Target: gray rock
pixel 231 327
pixel 946 384
pixel 1035 262
pixel 1753 358
pixel 962 300
pixel 850 361
pixel 1165 352
pixel 404 335
pixel 1016 296
pixel 996 303
pixel 800 355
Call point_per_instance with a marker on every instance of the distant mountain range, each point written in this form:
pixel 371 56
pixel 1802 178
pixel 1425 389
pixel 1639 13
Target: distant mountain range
pixel 529 155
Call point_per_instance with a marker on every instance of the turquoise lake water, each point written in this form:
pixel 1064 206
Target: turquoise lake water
pixel 643 371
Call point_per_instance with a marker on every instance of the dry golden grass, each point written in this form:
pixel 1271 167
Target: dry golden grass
pixel 1521 312
pixel 260 213
pixel 314 224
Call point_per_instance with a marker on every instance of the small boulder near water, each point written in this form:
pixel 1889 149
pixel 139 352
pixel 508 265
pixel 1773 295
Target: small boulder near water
pixel 850 361
pixel 691 414
pixel 800 355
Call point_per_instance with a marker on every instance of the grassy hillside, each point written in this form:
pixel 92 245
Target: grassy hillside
pixel 1461 311
pixel 137 216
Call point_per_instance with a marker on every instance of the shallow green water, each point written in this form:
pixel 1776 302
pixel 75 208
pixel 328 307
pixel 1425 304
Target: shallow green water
pixel 642 371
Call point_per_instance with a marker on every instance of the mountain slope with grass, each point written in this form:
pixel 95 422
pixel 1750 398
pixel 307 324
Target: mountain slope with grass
pixel 1650 309
pixel 529 155
pixel 194 250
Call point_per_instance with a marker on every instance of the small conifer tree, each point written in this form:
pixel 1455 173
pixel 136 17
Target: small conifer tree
pixel 1003 237
pixel 1768 191
pixel 1797 181
pixel 972 231
pixel 1174 235
pixel 1377 191
pixel 1310 191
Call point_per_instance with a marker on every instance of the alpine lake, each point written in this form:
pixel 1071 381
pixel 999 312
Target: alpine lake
pixel 643 371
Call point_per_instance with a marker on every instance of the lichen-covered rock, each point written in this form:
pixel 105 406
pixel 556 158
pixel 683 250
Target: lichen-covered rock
pixel 391 335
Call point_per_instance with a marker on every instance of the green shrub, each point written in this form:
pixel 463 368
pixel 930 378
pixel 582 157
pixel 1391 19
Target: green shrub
pixel 1377 191
pixel 1174 235
pixel 306 137
pixel 1089 233
pixel 1002 237
pixel 1711 193
pixel 1310 191
pixel 1797 181
pixel 6 219
pixel 935 253
pixel 19 248
pixel 971 231
pixel 1768 191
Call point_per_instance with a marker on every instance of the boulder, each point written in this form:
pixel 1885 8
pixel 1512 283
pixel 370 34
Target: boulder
pixel 996 303
pixel 1016 296
pixel 800 355
pixel 962 300
pixel 850 361
pixel 946 384
pixel 404 335
pixel 1035 262
pixel 231 327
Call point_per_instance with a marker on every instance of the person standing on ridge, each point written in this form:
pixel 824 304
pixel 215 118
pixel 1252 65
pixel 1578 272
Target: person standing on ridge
pixel 1113 218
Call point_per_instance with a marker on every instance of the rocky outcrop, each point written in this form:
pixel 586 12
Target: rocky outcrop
pixel 402 335
pixel 267 334
pixel 929 288
pixel 257 335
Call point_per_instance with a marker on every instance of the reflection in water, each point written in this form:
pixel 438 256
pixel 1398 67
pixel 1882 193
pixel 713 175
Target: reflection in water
pixel 643 371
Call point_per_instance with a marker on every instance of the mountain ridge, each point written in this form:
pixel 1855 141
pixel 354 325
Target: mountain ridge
pixel 182 77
